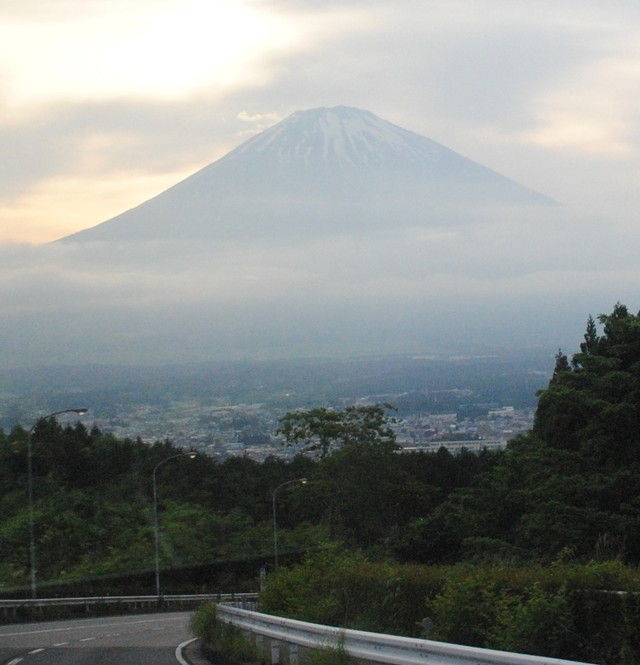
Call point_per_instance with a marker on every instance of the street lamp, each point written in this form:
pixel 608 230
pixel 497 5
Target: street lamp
pixel 32 539
pixel 302 481
pixel 190 455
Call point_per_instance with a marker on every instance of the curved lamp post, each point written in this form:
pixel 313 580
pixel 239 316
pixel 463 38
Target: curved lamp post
pixel 190 455
pixel 32 538
pixel 302 481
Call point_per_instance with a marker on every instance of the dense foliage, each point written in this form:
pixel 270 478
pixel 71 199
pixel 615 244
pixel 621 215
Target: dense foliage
pixel 572 484
pixel 94 511
pixel 557 610
pixel 93 502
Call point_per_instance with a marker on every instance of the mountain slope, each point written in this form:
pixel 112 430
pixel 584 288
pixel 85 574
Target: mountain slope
pixel 321 170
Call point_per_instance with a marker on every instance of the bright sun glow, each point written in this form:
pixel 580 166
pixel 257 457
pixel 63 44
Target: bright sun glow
pixel 69 53
pixel 66 204
pixel 169 50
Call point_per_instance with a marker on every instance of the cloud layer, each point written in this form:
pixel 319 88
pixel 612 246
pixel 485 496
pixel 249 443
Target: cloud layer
pixel 496 285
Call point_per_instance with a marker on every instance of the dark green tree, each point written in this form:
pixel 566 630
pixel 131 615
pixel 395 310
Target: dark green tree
pixel 324 429
pixel 562 363
pixel 591 339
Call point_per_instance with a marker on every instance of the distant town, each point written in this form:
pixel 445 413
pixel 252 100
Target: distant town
pixel 250 429
pixel 234 409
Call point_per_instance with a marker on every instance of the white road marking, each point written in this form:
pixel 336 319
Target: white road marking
pixel 179 649
pixel 36 651
pixel 15 661
pixel 96 625
pixel 60 644
pixel 87 639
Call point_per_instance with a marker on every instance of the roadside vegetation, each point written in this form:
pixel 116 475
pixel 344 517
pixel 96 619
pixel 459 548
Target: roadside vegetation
pixel 557 609
pixel 224 643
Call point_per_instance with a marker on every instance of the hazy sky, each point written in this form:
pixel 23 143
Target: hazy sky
pixel 104 103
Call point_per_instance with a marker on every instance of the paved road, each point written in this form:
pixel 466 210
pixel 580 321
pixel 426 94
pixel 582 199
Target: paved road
pixel 143 639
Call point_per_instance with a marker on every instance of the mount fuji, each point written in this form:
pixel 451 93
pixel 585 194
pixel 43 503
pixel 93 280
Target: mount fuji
pixel 325 170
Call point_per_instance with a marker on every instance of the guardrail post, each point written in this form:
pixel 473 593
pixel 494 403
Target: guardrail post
pixel 294 656
pixel 275 652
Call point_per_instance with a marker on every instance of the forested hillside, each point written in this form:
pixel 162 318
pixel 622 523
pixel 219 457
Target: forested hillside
pixel 94 510
pixel 572 484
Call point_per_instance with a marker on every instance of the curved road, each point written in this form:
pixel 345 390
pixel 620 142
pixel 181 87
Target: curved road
pixel 142 639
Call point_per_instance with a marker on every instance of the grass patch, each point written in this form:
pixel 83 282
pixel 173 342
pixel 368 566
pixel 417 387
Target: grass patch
pixel 328 656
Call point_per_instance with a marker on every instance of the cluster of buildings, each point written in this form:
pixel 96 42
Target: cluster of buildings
pixel 223 430
pixel 217 430
pixel 250 429
pixel 491 430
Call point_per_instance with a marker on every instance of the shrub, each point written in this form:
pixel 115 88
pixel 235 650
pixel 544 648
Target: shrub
pixel 541 623
pixel 344 589
pixel 465 612
pixel 204 624
pixel 225 638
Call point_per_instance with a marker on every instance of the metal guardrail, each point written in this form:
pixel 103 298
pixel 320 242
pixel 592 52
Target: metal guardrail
pixel 373 647
pixel 14 609
pixel 107 600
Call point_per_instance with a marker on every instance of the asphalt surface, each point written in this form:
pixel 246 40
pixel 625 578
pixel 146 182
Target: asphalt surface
pixel 143 639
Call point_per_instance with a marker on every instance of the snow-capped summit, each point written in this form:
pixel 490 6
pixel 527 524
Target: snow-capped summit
pixel 339 135
pixel 319 170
